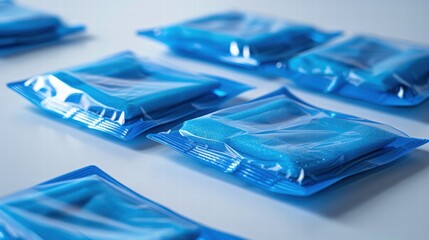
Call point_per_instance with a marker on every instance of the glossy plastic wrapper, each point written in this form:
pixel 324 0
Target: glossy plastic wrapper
pixel 285 145
pixel 239 39
pixel 89 204
pixel 23 28
pixel 368 68
pixel 125 95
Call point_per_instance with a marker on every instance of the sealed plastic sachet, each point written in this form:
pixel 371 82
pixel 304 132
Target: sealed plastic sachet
pixel 285 145
pixel 89 204
pixel 369 68
pixel 240 39
pixel 125 95
pixel 23 28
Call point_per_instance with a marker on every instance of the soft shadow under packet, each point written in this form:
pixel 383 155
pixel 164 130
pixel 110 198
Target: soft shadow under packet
pixel 125 95
pixel 285 145
pixel 239 38
pixel 89 204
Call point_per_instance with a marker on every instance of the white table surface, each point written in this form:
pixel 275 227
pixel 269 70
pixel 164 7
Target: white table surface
pixel 388 204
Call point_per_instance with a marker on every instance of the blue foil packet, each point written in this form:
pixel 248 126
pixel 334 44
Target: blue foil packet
pixel 23 28
pixel 240 39
pixel 285 145
pixel 89 204
pixel 125 95
pixel 372 69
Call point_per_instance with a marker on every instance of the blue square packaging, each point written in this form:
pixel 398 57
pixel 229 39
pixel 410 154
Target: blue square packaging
pixel 125 95
pixel 23 28
pixel 239 39
pixel 369 68
pixel 285 145
pixel 89 204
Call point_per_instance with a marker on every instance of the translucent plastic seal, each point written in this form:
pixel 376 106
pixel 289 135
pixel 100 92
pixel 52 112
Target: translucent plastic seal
pixel 373 69
pixel 240 39
pixel 285 145
pixel 89 204
pixel 125 95
pixel 22 28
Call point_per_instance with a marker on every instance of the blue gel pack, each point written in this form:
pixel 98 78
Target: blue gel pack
pixel 89 204
pixel 373 69
pixel 125 95
pixel 239 39
pixel 22 28
pixel 285 145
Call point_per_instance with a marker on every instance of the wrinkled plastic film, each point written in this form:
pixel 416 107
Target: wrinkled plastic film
pixel 239 39
pixel 284 145
pixel 88 204
pixel 125 95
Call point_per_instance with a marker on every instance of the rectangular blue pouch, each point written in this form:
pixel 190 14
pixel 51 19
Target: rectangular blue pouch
pixel 89 204
pixel 368 68
pixel 22 28
pixel 239 39
pixel 285 145
pixel 125 95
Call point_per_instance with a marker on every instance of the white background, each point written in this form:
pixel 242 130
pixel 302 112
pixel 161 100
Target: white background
pixel 387 204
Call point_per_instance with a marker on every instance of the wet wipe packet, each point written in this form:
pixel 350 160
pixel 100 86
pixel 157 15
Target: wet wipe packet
pixel 23 28
pixel 239 38
pixel 125 95
pixel 373 69
pixel 285 145
pixel 89 204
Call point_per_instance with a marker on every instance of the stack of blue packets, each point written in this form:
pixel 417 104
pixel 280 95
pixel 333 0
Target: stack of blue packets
pixel 89 204
pixel 240 39
pixel 373 69
pixel 285 145
pixel 124 95
pixel 23 28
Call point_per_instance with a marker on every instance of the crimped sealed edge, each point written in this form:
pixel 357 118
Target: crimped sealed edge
pixel 269 180
pixel 82 117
